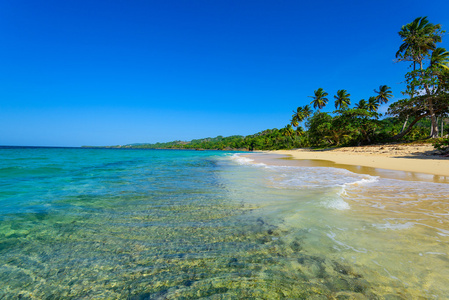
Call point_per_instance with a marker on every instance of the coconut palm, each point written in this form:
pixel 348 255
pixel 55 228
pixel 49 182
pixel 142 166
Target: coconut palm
pixel 319 100
pixel 440 57
pixel 342 99
pixel 299 131
pixel 301 113
pixel 294 121
pixel 373 104
pixel 361 105
pixel 383 94
pixel 439 65
pixel 297 116
pixel 288 130
pixel 306 111
pixel 419 37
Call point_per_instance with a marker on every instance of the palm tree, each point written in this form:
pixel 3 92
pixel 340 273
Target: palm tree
pixel 373 104
pixel 294 121
pixel 306 111
pixel 299 131
pixel 383 94
pixel 319 100
pixel 419 37
pixel 301 113
pixel 288 130
pixel 439 66
pixel 361 105
pixel 342 99
pixel 440 57
pixel 297 117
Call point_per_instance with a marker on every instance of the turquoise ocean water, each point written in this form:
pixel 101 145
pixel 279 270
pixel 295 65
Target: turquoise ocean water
pixel 165 224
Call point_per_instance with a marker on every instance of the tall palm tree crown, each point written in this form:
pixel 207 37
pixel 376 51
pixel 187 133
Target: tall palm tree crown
pixel 301 113
pixel 383 94
pixel 419 42
pixel 361 105
pixel 342 99
pixel 319 100
pixel 294 121
pixel 373 104
pixel 419 37
pixel 306 111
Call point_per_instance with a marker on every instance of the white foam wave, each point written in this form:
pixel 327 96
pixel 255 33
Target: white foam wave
pixel 337 203
pixel 245 160
pixel 366 180
pixel 241 160
pixel 317 177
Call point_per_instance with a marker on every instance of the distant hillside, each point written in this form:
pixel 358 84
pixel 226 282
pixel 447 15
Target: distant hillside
pixel 269 139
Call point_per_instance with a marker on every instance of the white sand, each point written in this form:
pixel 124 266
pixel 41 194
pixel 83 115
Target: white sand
pixel 409 158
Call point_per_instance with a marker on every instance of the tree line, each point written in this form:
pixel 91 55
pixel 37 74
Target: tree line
pixel 421 114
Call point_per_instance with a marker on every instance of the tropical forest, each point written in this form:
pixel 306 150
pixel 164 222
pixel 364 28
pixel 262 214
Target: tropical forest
pixel 421 114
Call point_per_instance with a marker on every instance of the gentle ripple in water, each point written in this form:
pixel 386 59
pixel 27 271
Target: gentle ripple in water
pixel 79 223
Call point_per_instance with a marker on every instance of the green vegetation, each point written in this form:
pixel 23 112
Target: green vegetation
pixel 421 115
pixel 428 82
pixel 270 139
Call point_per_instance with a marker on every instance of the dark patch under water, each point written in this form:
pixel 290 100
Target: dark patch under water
pixel 156 225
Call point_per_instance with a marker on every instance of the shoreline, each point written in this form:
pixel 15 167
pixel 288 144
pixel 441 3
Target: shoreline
pixel 407 158
pixel 408 162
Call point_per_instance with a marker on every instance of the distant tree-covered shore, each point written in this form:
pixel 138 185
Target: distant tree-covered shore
pixel 423 113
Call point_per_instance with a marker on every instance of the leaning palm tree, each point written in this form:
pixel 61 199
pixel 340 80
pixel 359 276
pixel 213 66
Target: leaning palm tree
pixel 383 94
pixel 301 113
pixel 297 117
pixel 319 100
pixel 342 99
pixel 361 105
pixel 306 112
pixel 373 104
pixel 294 121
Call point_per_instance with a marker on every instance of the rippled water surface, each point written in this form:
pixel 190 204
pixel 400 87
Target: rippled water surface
pixel 160 224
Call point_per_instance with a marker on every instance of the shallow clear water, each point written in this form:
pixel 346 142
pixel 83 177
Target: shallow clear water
pixel 161 224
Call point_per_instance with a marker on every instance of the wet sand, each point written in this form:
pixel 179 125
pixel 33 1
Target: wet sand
pixel 412 160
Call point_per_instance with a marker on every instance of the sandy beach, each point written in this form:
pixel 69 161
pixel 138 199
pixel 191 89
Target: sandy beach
pixel 409 158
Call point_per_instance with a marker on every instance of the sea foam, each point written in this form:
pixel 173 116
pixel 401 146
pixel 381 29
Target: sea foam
pixel 242 160
pixel 330 183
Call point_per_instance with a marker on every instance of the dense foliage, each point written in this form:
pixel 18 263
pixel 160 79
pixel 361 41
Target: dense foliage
pixel 270 139
pixel 423 114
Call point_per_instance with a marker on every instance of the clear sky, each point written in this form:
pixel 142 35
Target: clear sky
pixel 87 72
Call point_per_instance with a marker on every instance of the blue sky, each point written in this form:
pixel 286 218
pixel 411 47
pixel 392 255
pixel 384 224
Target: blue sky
pixel 92 72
